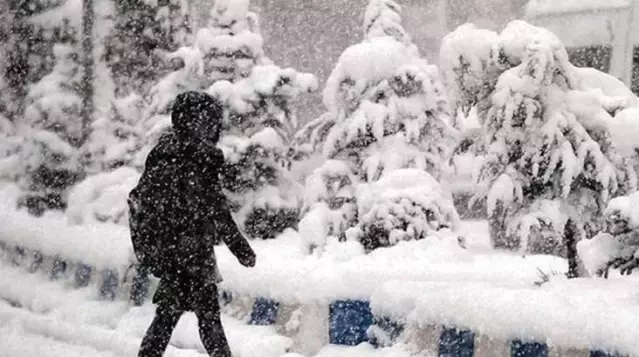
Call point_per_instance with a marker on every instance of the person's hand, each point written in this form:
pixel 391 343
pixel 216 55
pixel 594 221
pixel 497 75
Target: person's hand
pixel 248 259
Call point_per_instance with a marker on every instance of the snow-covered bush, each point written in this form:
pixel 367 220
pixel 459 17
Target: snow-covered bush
pixel 329 204
pixel 102 197
pixel 406 204
pixel 142 29
pixel 256 141
pixel 50 155
pixel 619 240
pixel 10 162
pixel 387 111
pixel 548 150
pixel 231 43
pixel 116 137
pixel 260 119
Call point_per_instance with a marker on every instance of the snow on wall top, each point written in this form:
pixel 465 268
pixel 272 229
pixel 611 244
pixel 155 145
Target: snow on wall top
pixel 550 7
pixel 53 236
pixel 580 313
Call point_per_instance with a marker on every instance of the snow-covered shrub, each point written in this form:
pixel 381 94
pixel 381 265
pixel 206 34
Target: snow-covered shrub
pixel 50 155
pixel 102 197
pixel 116 137
pixel 619 240
pixel 549 154
pixel 330 207
pixel 256 141
pixel 406 204
pixel 387 111
pixel 10 143
pixel 141 31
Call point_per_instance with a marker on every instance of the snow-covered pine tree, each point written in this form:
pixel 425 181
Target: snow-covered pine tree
pixel 548 151
pixel 231 44
pixel 143 29
pixel 387 117
pixel 256 143
pixel 188 74
pixel 28 51
pixel 228 59
pixel 50 154
pixel 116 136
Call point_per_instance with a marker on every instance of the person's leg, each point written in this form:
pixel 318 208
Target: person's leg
pixel 210 323
pixel 159 333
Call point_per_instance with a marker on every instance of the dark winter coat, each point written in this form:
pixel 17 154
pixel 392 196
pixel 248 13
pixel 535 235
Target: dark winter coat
pixel 188 210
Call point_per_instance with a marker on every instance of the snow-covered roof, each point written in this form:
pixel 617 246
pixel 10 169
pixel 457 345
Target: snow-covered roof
pixel 537 8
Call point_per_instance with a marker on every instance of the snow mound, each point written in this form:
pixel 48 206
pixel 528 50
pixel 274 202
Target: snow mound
pixel 102 197
pixel 626 208
pixel 624 128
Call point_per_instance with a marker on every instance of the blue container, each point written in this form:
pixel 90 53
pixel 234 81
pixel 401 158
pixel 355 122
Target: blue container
pixel 140 285
pixel 83 275
pixel 109 287
pixel 454 342
pixel 528 349
pixel 349 321
pixel 264 312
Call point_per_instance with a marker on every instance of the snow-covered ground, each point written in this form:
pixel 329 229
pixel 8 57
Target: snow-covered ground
pixel 433 281
pixel 51 314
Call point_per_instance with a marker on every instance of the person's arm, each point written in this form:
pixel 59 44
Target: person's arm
pixel 230 233
pixel 225 226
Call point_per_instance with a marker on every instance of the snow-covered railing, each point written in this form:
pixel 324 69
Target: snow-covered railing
pixel 431 295
pixel 563 318
pixel 98 255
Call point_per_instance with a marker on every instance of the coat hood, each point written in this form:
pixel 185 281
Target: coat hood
pixel 197 115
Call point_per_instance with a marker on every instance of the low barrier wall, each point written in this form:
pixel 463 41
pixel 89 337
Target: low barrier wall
pixel 454 315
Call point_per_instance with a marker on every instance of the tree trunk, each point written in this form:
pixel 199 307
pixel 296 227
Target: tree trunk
pixel 571 235
pixel 87 64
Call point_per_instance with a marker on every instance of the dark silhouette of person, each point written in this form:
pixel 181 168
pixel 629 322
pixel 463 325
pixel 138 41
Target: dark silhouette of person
pixel 178 213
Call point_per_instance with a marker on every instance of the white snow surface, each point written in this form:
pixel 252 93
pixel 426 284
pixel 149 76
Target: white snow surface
pixel 581 313
pixel 287 274
pixel 368 63
pixel 627 207
pixel 624 129
pixel 55 236
pixel 102 197
pixel 76 317
pixel 425 282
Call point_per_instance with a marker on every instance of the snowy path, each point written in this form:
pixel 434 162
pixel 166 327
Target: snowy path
pixel 36 314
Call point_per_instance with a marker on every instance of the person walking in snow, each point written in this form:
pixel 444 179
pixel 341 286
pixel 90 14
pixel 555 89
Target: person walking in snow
pixel 177 213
